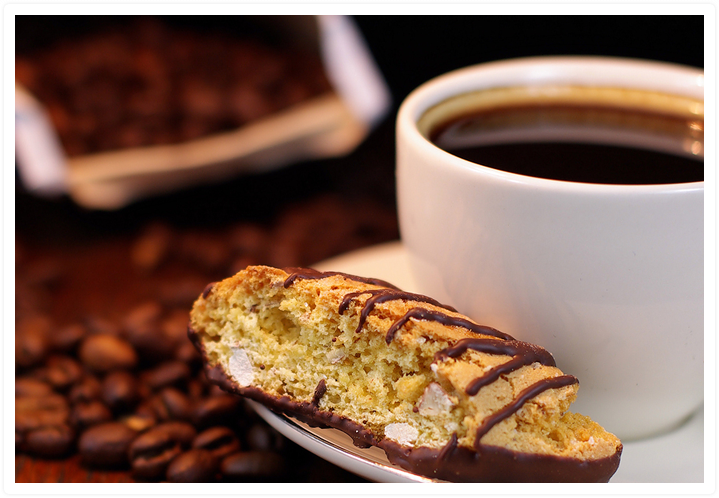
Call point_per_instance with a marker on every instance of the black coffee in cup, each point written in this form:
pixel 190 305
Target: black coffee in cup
pixel 581 138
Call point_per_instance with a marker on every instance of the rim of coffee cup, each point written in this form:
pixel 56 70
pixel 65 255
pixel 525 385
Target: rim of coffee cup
pixel 579 70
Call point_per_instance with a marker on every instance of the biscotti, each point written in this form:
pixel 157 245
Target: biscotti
pixel 441 395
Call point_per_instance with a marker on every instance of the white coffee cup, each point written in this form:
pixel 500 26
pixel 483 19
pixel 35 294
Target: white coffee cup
pixel 606 277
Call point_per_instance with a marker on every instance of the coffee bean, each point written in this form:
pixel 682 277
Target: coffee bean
pixel 36 412
pixel 29 387
pixel 106 445
pixel 88 413
pixel 216 410
pixel 151 343
pixel 106 352
pixel 151 453
pixel 252 464
pixel 183 432
pixel 119 391
pixel 143 315
pixel 221 441
pixel 62 372
pixel 67 338
pixel 196 465
pixel 139 421
pixel 188 354
pixel 151 247
pixel 53 402
pixel 49 442
pixel 31 341
pixel 170 373
pixel 174 325
pixel 87 389
pixel 171 403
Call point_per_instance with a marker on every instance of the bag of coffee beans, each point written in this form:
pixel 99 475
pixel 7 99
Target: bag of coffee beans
pixel 129 108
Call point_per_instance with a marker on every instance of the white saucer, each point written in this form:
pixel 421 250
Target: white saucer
pixel 676 457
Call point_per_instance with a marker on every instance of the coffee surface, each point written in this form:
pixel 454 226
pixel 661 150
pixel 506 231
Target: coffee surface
pixel 579 144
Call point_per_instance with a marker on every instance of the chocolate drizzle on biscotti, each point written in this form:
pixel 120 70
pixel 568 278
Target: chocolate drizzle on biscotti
pixel 320 391
pixel 444 319
pixel 523 353
pixel 312 274
pixel 378 296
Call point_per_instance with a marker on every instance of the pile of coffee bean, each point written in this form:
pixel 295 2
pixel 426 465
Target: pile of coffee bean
pixel 146 83
pixel 104 368
pixel 133 394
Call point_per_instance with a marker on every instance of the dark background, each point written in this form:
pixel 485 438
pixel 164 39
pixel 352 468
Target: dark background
pixel 409 50
pixel 413 49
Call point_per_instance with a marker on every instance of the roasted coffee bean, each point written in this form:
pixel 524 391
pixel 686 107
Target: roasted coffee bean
pixel 188 354
pixel 261 437
pixel 26 421
pixel 152 452
pixel 53 402
pixel 119 391
pixel 29 387
pixel 151 248
pixel 49 442
pixel 151 344
pixel 106 352
pixel 106 445
pixel 167 374
pixel 36 412
pixel 143 315
pixel 252 464
pixel 67 338
pixel 171 403
pixel 216 410
pixel 221 441
pixel 62 372
pixel 196 465
pixel 139 421
pixel 32 341
pixel 87 413
pixel 87 389
pixel 174 325
pixel 183 432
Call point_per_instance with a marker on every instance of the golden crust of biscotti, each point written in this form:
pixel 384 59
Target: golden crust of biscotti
pixel 409 374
